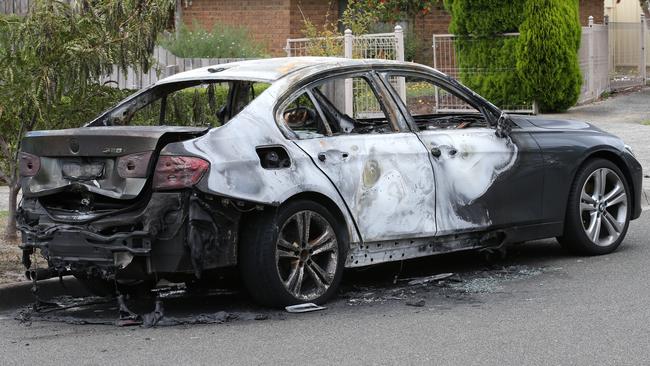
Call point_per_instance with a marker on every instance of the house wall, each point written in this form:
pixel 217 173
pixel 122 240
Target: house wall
pixel 595 8
pixel 627 11
pixel 319 12
pixel 268 20
pixel 273 21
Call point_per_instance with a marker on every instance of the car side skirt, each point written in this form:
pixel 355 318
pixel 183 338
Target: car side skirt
pixel 368 254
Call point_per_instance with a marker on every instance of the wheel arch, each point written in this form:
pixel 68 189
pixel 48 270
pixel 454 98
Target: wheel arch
pixel 614 157
pixel 332 207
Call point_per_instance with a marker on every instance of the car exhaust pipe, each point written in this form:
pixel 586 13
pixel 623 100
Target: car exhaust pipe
pixel 41 274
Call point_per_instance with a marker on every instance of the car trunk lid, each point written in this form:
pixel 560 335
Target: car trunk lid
pixel 95 169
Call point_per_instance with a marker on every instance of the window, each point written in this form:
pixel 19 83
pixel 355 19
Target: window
pixel 433 106
pixel 337 106
pixel 302 116
pixel 208 104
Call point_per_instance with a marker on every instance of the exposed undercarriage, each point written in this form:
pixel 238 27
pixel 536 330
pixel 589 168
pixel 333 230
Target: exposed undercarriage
pixel 175 235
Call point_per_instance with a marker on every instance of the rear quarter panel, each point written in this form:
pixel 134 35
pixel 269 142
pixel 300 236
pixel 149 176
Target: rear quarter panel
pixel 235 169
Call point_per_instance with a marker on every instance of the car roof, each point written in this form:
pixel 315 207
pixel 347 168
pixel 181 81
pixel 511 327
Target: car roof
pixel 272 69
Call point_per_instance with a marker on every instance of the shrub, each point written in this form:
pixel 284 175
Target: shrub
pixel 486 59
pixel 223 41
pixel 484 17
pixel 488 66
pixel 547 53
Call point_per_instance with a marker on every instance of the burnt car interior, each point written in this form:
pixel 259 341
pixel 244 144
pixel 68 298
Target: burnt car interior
pixel 204 103
pixel 432 106
pixel 319 110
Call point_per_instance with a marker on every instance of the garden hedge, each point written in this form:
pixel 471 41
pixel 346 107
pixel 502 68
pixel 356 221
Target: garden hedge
pixel 541 64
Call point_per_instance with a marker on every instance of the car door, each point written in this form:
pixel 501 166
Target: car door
pixel 368 152
pixel 483 181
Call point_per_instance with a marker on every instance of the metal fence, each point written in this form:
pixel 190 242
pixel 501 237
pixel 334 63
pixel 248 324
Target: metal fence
pixel 594 61
pixel 629 53
pixel 385 46
pixel 446 59
pixel 610 58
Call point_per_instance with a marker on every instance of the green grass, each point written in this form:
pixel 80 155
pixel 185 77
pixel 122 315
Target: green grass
pixel 646 122
pixel 4 214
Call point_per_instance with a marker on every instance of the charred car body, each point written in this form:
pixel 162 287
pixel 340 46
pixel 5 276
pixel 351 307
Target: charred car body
pixel 292 169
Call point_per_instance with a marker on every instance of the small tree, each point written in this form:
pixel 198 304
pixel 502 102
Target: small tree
pixel 52 59
pixel 547 53
pixel 486 58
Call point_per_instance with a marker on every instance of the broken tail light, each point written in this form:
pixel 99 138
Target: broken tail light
pixel 134 165
pixel 174 172
pixel 28 164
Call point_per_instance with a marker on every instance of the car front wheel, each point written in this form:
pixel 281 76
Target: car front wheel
pixel 293 256
pixel 599 209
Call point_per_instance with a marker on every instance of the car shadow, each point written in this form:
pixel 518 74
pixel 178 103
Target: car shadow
pixel 415 282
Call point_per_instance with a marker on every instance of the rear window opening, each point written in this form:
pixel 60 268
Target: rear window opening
pixel 199 103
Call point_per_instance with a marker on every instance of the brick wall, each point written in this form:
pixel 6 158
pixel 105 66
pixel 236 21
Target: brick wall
pixel 273 21
pixel 436 22
pixel 267 20
pixel 319 12
pixel 595 8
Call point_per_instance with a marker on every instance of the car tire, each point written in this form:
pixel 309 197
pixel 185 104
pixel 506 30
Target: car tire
pixel 598 209
pixel 281 266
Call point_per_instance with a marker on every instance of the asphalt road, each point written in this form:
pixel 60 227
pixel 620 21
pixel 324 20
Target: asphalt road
pixel 539 306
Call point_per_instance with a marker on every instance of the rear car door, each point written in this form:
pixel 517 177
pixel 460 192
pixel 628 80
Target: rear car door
pixel 483 181
pixel 363 145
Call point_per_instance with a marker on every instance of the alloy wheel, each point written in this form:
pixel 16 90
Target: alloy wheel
pixel 307 255
pixel 603 207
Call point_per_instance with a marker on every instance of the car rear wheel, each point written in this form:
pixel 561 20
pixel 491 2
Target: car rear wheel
pixel 293 256
pixel 599 209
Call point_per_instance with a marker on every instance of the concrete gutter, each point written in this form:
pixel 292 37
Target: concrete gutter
pixel 14 295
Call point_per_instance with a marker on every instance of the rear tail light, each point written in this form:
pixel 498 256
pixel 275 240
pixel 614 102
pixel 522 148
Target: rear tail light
pixel 134 165
pixel 28 164
pixel 174 172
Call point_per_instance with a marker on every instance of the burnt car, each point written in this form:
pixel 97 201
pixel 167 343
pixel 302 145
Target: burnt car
pixel 291 169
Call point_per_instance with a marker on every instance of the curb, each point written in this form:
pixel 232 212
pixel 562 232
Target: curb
pixel 19 294
pixel 645 200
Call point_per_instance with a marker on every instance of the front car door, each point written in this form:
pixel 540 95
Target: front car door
pixel 367 151
pixel 483 181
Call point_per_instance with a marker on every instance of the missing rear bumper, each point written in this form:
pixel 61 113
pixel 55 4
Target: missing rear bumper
pixel 175 233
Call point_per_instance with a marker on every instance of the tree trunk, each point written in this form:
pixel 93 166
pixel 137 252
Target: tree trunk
pixel 10 231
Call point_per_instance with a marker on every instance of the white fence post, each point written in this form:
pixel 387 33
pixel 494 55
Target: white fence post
pixel 399 43
pixel 591 64
pixel 287 48
pixel 435 66
pixel 348 39
pixel 399 56
pixel 643 65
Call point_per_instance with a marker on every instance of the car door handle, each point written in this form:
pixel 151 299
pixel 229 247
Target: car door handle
pixel 435 151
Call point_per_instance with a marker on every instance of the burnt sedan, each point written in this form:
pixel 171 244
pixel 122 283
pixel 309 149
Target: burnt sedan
pixel 290 170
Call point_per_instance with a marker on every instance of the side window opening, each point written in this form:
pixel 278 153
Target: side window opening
pixel 303 117
pixel 433 106
pixel 341 106
pixel 195 104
